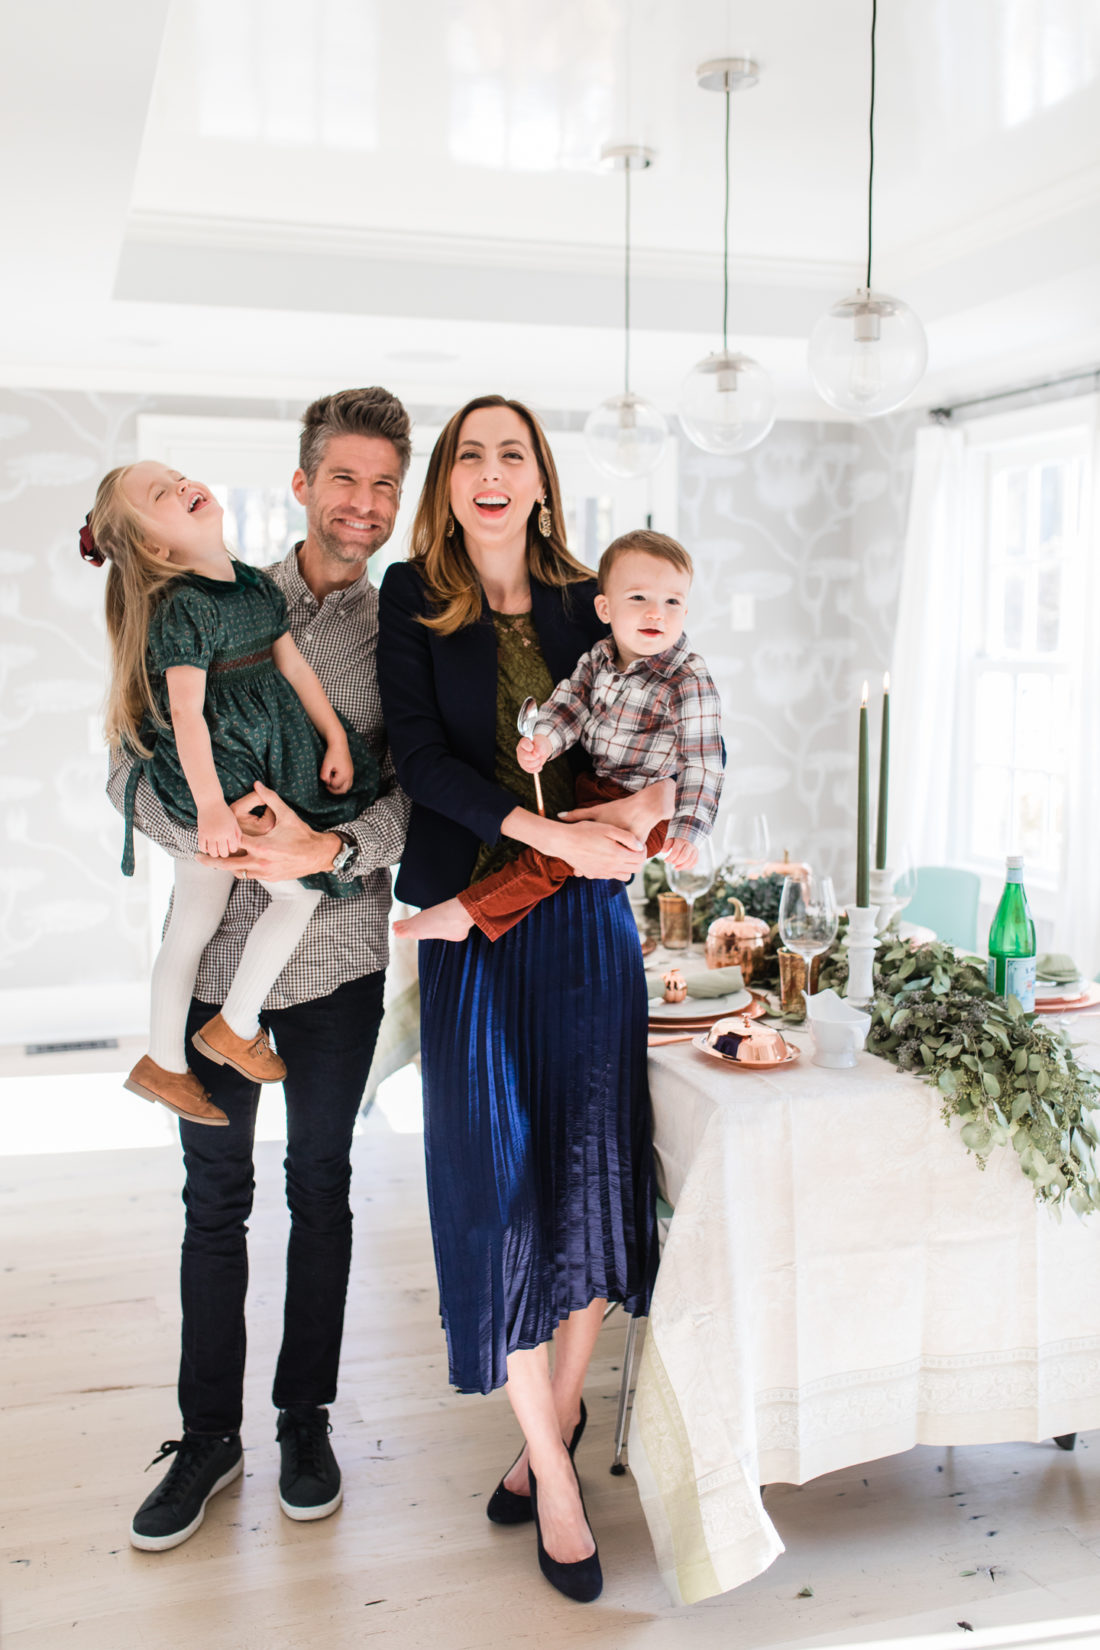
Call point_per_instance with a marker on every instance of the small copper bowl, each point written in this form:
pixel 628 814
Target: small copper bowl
pixel 746 1041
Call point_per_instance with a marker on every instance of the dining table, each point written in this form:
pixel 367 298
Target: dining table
pixel 841 1280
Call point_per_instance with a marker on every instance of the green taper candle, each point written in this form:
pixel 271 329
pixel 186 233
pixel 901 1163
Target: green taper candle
pixel 863 819
pixel 883 777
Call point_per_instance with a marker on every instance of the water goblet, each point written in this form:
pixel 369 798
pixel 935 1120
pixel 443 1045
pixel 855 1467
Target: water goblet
pixel 746 843
pixel 689 884
pixel 808 917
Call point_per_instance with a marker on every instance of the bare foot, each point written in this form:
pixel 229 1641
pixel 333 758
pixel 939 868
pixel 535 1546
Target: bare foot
pixel 565 1532
pixel 449 921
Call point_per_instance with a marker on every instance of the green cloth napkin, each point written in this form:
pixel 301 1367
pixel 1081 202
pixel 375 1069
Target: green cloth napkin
pixel 1056 967
pixel 715 982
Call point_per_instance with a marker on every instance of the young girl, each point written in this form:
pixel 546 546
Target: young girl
pixel 210 694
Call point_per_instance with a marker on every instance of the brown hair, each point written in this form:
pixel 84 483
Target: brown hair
pixel 447 571
pixel 136 581
pixel 643 539
pixel 373 412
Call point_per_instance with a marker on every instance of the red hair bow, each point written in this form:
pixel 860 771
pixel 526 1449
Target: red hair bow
pixel 88 547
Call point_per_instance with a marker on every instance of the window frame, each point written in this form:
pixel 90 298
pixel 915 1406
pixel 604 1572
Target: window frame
pixel 1052 432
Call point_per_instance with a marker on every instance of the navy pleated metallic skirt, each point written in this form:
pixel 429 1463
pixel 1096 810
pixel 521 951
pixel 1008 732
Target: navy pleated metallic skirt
pixel 537 1126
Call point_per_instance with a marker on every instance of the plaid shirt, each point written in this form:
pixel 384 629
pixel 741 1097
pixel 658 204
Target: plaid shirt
pixel 657 718
pixel 346 938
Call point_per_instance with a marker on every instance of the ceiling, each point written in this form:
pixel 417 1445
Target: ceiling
pixel 270 196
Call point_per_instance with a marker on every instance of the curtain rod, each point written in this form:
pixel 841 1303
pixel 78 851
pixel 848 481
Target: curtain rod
pixel 942 415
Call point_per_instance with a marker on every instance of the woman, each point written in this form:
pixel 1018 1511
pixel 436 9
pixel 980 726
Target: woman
pixel 540 1178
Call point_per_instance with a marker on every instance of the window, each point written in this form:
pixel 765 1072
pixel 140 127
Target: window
pixel 1027 497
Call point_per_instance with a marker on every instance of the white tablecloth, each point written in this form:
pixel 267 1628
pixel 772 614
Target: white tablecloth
pixel 840 1282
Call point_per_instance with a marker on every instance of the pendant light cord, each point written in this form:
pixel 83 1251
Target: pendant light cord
pixel 871 141
pixel 726 238
pixel 626 287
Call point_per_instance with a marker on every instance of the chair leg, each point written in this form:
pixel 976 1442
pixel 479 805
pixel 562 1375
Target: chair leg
pixel 617 1467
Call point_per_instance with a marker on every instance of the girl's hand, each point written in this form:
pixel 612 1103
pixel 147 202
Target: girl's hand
pixel 533 754
pixel 219 832
pixel 682 855
pixel 337 769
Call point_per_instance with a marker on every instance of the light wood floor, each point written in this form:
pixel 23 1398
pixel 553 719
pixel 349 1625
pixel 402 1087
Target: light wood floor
pixel 88 1325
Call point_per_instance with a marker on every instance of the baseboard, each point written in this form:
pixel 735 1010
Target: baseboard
pixel 62 1014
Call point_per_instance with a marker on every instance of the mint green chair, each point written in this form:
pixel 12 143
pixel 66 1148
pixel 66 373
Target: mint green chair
pixel 946 901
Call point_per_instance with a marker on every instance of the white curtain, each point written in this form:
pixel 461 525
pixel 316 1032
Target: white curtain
pixel 924 673
pixel 1077 928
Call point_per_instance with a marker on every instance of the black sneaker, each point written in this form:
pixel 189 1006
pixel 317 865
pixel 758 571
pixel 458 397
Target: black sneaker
pixel 203 1466
pixel 309 1477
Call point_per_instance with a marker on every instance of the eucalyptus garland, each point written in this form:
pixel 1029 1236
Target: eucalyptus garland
pixel 1011 1078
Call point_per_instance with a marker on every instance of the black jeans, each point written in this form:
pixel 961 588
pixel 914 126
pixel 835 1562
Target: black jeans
pixel 328 1045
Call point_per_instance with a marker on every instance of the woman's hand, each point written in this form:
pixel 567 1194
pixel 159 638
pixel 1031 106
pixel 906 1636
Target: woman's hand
pixel 337 768
pixel 219 832
pixel 638 813
pixel 599 851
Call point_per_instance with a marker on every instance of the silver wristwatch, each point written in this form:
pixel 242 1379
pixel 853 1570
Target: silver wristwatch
pixel 346 854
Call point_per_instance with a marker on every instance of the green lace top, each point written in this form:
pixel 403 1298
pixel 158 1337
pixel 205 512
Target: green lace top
pixel 521 670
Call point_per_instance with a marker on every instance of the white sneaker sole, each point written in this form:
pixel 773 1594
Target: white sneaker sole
pixel 161 1543
pixel 305 1515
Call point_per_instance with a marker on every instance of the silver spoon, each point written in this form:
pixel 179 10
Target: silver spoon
pixel 525 722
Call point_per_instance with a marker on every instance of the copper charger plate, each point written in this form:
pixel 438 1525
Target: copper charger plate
pixel 792 1055
pixel 703 1022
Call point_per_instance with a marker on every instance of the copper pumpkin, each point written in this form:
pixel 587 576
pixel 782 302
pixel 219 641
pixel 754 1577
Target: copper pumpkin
pixel 738 941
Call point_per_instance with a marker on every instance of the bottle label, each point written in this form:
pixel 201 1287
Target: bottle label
pixel 1017 979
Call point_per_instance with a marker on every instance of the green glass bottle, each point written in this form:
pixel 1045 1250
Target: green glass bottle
pixel 1012 941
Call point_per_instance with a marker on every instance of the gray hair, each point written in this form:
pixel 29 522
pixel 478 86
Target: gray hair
pixel 370 412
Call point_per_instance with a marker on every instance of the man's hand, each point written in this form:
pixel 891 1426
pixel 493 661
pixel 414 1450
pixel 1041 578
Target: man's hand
pixel 680 855
pixel 287 850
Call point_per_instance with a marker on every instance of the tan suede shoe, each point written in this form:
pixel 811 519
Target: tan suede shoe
pixel 256 1059
pixel 180 1091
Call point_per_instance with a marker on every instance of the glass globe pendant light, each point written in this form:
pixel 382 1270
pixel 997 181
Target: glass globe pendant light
pixel 868 352
pixel 626 436
pixel 727 401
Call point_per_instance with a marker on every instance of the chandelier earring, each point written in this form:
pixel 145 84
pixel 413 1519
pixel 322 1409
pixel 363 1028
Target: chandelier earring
pixel 546 520
pixel 450 525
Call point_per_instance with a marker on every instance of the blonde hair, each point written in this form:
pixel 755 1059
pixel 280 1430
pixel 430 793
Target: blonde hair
pixel 136 581
pixel 646 542
pixel 449 574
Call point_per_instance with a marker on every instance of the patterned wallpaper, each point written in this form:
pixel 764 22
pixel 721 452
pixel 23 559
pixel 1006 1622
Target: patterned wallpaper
pixel 809 527
pixel 798 550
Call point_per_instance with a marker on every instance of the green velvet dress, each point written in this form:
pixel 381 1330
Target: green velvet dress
pixel 259 729
pixel 521 672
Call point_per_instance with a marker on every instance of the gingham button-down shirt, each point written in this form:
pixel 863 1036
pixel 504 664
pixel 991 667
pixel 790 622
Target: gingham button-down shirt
pixel 658 717
pixel 346 938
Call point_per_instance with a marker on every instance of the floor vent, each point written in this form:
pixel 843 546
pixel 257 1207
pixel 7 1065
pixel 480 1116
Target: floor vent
pixel 71 1048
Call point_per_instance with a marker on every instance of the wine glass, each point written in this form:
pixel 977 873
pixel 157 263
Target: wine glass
pixel 746 842
pixel 808 916
pixel 689 884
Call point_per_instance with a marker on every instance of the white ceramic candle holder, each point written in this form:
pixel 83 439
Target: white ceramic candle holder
pixel 882 896
pixel 862 945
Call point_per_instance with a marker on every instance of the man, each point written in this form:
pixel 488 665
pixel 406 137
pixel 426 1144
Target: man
pixel 325 1009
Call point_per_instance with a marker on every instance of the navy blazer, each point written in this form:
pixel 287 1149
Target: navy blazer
pixel 439 705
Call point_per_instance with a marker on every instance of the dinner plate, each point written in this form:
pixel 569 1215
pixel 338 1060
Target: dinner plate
pixel 704 1009
pixel 704 1047
pixel 1071 1005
